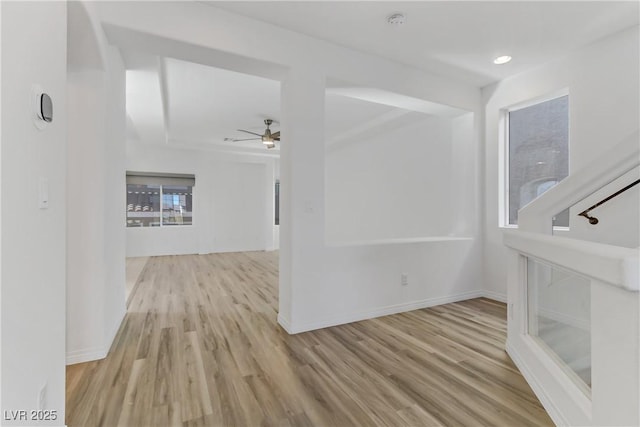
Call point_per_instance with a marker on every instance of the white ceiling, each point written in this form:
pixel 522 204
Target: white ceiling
pixel 208 104
pixel 171 101
pixel 181 103
pixel 454 38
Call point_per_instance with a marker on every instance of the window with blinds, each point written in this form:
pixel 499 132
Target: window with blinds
pixel 159 200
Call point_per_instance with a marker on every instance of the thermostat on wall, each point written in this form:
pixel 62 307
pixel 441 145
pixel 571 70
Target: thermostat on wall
pixel 42 107
pixel 45 107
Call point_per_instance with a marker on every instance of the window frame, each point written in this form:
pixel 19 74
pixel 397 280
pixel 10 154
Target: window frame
pixel 161 177
pixel 276 202
pixel 503 155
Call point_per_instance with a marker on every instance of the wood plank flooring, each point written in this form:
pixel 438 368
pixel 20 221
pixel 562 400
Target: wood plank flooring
pixel 200 346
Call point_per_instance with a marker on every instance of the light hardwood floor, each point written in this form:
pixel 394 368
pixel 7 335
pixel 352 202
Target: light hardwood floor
pixel 200 346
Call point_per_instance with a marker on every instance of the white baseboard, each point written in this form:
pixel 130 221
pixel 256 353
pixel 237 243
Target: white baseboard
pixel 293 328
pixel 496 296
pixel 98 352
pixel 284 323
pixel 86 355
pixel 536 386
pixel 111 336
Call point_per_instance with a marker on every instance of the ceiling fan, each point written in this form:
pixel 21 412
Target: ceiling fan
pixel 268 139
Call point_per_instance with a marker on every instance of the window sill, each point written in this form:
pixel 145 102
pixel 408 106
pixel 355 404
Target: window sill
pixel 159 227
pixel 399 241
pixel 554 228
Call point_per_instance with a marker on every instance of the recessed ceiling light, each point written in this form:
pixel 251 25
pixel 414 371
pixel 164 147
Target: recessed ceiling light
pixel 396 19
pixel 502 60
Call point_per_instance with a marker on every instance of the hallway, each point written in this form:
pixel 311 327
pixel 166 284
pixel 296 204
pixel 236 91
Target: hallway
pixel 200 346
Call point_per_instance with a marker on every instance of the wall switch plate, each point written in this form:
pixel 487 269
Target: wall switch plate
pixel 404 279
pixel 43 193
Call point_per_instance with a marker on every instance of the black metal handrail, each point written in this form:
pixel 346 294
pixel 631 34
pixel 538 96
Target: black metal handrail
pixel 593 220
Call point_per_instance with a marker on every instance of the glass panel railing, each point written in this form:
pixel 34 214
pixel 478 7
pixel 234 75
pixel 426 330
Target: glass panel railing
pixel 559 317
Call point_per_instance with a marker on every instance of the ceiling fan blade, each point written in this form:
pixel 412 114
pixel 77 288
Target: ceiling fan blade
pixel 276 135
pixel 252 133
pixel 244 139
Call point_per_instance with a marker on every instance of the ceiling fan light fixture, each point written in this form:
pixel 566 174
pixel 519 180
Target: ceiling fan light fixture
pixel 268 138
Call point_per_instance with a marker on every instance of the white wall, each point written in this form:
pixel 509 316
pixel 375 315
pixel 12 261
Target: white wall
pixel 232 202
pixel 95 178
pixel 114 236
pixel 602 80
pixel 339 284
pixel 393 185
pixel 619 218
pixel 316 287
pixel 33 240
pixel 405 185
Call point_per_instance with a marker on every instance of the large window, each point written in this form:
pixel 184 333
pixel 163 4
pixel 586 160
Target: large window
pixel 538 152
pixel 158 200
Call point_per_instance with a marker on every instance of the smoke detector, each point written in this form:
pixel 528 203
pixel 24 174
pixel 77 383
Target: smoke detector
pixel 396 19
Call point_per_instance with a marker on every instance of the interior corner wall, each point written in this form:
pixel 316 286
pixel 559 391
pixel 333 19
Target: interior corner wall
pixel 341 283
pixel 115 157
pixel 232 202
pixel 95 179
pixel 602 80
pixel 34 45
pixel 393 185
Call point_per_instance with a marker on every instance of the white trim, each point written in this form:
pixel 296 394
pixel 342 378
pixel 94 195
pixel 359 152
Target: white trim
pixel 293 328
pixel 284 323
pixel 538 100
pixel 86 355
pixel 503 169
pixel 95 353
pixel 614 265
pixel 536 386
pixel 496 296
pixel 504 203
pixel 399 241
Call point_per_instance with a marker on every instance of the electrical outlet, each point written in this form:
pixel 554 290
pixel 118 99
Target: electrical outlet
pixel 404 279
pixel 42 397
